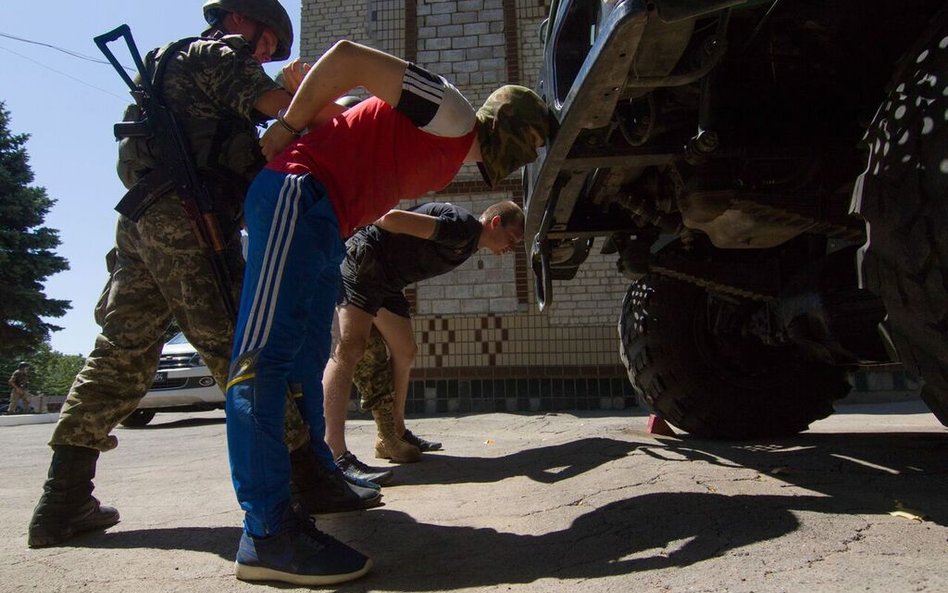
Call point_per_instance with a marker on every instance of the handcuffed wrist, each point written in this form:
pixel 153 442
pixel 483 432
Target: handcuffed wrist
pixel 280 119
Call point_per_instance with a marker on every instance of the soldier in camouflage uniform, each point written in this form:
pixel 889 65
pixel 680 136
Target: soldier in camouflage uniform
pixel 19 383
pixel 216 87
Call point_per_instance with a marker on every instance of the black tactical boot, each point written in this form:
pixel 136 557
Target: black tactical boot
pixel 317 490
pixel 67 506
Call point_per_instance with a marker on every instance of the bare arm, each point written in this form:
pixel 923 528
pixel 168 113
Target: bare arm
pixel 293 74
pixel 345 66
pixel 408 223
pixel 276 138
pixel 270 103
pixel 273 101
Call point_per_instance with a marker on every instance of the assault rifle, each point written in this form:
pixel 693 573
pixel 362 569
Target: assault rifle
pixel 178 171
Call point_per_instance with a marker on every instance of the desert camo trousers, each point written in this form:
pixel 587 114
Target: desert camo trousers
pixel 16 396
pixel 157 271
pixel 373 374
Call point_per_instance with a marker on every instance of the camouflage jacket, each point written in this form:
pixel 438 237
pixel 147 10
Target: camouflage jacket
pixel 211 86
pixel 19 379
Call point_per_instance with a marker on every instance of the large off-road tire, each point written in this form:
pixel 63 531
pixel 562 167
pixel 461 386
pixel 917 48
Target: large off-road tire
pixel 903 195
pixel 138 418
pixel 715 379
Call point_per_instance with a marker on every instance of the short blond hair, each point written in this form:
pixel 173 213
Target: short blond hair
pixel 510 213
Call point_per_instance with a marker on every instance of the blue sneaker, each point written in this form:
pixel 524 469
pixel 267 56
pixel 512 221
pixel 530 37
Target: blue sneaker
pixel 355 469
pixel 360 482
pixel 300 555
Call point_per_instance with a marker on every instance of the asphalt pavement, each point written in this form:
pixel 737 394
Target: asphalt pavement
pixel 530 503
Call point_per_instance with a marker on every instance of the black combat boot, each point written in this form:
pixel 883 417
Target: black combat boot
pixel 67 506
pixel 317 490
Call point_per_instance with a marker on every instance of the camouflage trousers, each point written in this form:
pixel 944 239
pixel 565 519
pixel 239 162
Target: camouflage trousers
pixel 157 271
pixel 16 396
pixel 373 375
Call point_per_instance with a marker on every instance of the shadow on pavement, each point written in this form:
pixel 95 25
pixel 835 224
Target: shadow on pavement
pixel 221 541
pixel 861 472
pixel 855 473
pixel 183 423
pixel 849 405
pixel 547 465
pixel 641 533
pixel 637 534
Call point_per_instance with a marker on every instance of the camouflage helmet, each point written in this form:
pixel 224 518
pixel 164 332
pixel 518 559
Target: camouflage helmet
pixel 23 365
pixel 505 123
pixel 269 13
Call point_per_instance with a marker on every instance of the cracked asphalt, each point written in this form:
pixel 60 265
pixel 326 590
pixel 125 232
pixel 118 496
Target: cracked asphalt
pixel 531 503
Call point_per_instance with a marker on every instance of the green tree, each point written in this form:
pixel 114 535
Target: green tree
pixel 52 371
pixel 26 250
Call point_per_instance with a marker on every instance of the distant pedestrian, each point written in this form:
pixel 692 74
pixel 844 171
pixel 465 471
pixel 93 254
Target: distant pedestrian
pixel 19 383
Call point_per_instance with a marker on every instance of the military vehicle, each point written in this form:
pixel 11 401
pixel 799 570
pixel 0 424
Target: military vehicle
pixel 771 178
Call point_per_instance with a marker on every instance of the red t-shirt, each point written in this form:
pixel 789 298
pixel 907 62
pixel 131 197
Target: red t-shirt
pixel 371 157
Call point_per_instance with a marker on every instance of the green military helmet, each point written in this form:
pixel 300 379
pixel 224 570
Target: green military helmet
pixel 269 13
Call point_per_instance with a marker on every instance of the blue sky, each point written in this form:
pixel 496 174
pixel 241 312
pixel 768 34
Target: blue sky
pixel 68 106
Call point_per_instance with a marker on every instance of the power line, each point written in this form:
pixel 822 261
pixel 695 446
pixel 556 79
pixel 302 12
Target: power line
pixel 68 52
pixel 79 80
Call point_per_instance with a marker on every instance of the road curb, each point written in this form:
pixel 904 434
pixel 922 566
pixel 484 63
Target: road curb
pixel 21 419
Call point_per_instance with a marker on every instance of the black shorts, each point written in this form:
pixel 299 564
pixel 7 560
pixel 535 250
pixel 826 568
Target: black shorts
pixel 366 285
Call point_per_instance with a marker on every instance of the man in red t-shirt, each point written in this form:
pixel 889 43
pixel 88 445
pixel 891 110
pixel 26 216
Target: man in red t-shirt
pixel 410 138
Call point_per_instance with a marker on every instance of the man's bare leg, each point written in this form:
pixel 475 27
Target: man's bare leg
pixel 354 327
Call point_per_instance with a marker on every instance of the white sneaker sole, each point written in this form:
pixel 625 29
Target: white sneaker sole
pixel 262 573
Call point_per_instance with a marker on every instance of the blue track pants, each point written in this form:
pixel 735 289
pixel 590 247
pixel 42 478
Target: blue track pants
pixel 283 336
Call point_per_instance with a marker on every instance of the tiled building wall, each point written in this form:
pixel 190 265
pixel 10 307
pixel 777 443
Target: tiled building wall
pixel 323 23
pixel 483 345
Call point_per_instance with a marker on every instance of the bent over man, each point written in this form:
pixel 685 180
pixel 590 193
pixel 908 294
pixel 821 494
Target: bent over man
pixel 410 138
pixel 401 248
